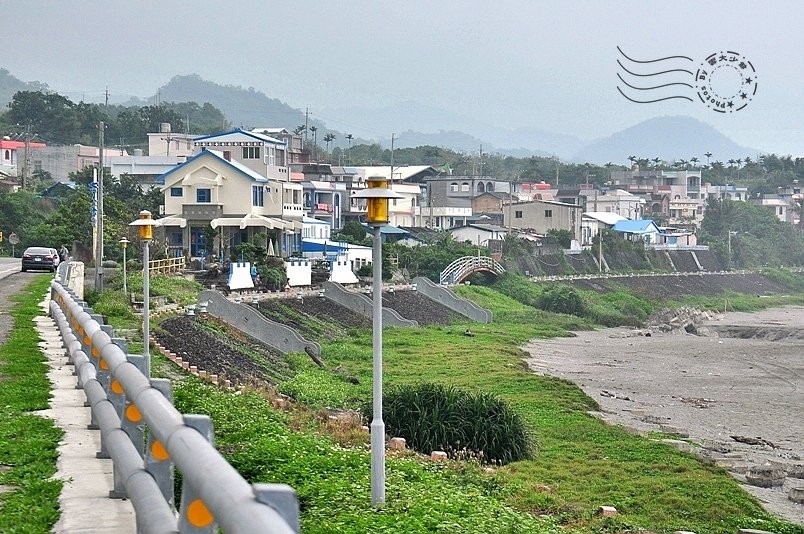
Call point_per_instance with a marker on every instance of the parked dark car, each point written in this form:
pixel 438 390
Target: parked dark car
pixel 40 259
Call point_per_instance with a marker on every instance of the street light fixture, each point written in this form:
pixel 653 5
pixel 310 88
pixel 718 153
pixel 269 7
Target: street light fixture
pixel 124 243
pixel 377 195
pixel 145 226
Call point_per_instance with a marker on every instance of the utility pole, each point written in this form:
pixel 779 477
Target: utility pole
pixel 510 202
pixel 99 249
pixel 306 119
pixel 24 173
pixel 481 161
pixel 556 172
pixel 107 97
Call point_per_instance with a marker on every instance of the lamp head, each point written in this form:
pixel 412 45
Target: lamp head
pixel 145 225
pixel 377 195
pixel 123 242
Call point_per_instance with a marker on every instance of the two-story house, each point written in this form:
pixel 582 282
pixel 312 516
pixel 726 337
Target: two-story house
pixel 214 192
pixel 263 154
pixel 544 215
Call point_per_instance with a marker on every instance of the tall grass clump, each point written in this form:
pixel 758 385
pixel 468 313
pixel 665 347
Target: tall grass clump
pixel 437 417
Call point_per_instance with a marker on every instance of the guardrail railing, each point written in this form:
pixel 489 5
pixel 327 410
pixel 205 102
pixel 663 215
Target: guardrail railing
pixel 124 402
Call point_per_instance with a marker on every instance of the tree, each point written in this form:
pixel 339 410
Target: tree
pixel 349 138
pixel 328 138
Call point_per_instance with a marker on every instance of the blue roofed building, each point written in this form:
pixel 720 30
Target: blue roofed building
pixel 639 229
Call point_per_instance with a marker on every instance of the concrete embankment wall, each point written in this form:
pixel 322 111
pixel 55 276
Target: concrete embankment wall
pixel 361 304
pixel 253 323
pixel 446 297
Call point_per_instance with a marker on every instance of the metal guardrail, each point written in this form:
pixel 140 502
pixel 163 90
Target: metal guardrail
pixel 124 402
pixel 166 266
pixel 459 269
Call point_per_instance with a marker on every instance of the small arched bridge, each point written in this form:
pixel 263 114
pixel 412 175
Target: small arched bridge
pixel 462 268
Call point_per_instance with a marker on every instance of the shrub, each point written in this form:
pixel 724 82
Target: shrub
pixel 437 417
pixel 561 299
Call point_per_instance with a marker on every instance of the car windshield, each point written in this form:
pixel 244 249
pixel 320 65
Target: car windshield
pixel 38 250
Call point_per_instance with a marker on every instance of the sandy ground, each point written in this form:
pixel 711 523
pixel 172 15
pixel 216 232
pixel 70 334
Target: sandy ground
pixel 707 388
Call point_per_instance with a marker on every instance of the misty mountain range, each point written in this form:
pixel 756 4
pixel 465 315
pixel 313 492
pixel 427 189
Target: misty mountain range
pixel 668 138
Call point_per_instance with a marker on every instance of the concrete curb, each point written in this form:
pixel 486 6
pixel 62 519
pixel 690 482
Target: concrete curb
pixel 84 501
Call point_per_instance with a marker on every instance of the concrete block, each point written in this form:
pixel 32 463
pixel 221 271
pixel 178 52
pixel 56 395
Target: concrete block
pixel 607 511
pixel 765 476
pixel 438 456
pixel 753 531
pixel 796 495
pixel 397 444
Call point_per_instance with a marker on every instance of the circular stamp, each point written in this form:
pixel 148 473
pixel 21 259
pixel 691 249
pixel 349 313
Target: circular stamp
pixel 726 82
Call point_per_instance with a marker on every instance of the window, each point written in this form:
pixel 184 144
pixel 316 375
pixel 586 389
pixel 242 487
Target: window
pixel 548 214
pixel 227 155
pixel 465 186
pixel 257 198
pixel 517 214
pixel 203 196
pixel 481 187
pixel 251 152
pixel 271 156
pixel 453 186
pixel 175 191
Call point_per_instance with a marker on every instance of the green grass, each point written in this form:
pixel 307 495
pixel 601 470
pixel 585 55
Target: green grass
pixel 580 462
pixel 334 483
pixel 27 442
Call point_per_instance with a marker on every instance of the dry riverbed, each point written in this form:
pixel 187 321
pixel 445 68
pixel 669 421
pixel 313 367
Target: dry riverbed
pixel 739 401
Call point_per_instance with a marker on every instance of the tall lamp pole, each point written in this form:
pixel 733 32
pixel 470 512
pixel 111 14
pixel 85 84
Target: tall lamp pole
pixel 377 195
pixel 145 226
pixel 124 243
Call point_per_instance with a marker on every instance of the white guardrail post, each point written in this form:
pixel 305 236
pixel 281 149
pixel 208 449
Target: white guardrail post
pixel 123 401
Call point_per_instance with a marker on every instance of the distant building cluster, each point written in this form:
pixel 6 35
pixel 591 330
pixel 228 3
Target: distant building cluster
pixel 262 184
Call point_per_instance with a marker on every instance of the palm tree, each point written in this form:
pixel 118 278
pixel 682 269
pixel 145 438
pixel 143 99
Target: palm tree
pixel 694 161
pixel 708 155
pixel 632 159
pixel 349 138
pixel 328 139
pixel 656 162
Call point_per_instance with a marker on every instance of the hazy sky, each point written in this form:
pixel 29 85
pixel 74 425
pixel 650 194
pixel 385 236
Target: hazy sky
pixel 508 63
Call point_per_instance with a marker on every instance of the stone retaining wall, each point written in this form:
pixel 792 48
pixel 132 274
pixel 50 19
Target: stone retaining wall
pixel 361 304
pixel 447 298
pixel 253 323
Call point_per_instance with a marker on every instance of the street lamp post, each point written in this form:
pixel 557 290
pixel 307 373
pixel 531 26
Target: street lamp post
pixel 145 226
pixel 377 195
pixel 124 243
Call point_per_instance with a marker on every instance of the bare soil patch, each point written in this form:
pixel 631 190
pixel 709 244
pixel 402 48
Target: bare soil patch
pixel 315 318
pixel 738 400
pixel 231 356
pixel 413 305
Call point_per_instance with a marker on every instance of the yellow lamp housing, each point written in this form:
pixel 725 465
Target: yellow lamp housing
pixel 377 195
pixel 145 225
pixel 123 242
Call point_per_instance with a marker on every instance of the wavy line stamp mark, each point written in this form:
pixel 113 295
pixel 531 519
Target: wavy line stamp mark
pixel 725 81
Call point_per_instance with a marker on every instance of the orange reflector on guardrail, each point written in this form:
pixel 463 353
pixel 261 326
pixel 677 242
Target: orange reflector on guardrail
pixel 158 451
pixel 133 413
pixel 198 514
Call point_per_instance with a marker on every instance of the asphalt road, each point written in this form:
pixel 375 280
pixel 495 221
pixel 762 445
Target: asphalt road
pixel 9 266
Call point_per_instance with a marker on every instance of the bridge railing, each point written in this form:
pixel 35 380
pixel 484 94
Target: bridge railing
pixel 123 402
pixel 456 271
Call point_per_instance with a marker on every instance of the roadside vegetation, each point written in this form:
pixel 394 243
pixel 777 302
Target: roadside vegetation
pixel 576 462
pixel 28 495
